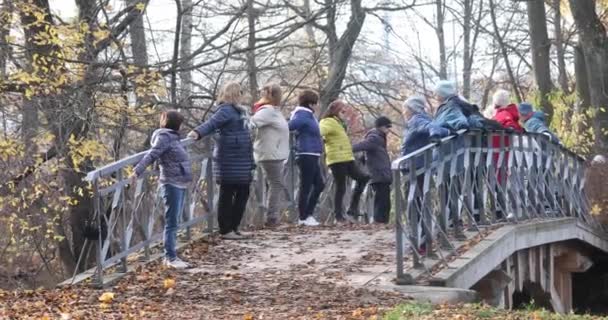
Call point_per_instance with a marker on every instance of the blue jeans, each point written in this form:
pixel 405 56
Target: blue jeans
pixel 173 198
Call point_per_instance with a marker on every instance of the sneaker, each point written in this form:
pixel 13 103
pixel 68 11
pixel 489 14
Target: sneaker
pixel 309 222
pixel 232 236
pixel 176 263
pixel 243 235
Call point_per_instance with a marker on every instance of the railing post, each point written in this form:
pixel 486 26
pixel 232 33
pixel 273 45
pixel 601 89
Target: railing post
pixel 402 277
pixel 210 195
pixel 123 222
pixel 479 172
pixel 97 212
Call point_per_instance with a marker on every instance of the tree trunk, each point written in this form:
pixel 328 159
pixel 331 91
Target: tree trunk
pixel 593 39
pixel 466 52
pixel 504 52
pixel 540 45
pixel 252 69
pixel 176 43
pixel 137 33
pixel 340 52
pixel 185 52
pixel 559 47
pixel 582 83
pixel 439 31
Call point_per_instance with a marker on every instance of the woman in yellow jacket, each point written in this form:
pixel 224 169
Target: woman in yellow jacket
pixel 339 157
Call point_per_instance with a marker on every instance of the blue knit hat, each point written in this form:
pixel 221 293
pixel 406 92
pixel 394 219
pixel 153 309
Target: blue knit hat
pixel 445 89
pixel 525 108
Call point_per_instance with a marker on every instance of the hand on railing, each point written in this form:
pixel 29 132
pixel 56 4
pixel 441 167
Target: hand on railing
pixel 193 135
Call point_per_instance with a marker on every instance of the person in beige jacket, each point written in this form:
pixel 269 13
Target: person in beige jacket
pixel 271 146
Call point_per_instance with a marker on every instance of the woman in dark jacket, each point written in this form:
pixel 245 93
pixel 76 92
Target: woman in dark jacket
pixel 378 164
pixel 309 147
pixel 232 158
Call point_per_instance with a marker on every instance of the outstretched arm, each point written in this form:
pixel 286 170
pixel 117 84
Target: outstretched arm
pixel 218 120
pixel 158 148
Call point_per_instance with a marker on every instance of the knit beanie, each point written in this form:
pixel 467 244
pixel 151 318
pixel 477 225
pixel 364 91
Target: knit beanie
pixel 501 98
pixel 525 108
pixel 445 89
pixel 383 122
pixel 415 104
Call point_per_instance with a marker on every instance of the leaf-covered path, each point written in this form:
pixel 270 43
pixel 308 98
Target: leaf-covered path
pixel 289 273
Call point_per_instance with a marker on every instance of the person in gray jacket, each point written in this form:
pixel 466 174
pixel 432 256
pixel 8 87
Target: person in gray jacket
pixel 378 164
pixel 175 176
pixel 271 146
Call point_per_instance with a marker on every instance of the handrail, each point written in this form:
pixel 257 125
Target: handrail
pixel 395 165
pixel 130 160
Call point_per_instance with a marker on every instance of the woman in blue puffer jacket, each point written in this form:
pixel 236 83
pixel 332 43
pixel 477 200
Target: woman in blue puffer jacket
pixel 232 158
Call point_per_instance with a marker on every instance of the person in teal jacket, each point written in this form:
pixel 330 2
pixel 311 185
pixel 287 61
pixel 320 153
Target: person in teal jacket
pixel 534 121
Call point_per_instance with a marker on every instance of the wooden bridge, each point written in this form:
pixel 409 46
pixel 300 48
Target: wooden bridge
pixel 470 214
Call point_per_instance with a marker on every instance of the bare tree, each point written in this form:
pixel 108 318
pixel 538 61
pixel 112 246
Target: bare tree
pixel 594 41
pixel 559 47
pixel 185 50
pixel 539 40
pixel 504 51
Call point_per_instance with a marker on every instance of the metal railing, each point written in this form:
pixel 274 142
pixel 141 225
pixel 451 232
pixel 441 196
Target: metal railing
pixel 473 180
pixel 128 220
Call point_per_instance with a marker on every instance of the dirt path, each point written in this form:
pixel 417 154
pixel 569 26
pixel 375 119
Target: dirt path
pixel 290 273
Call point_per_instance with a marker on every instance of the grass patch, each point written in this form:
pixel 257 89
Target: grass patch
pixel 409 311
pixel 426 311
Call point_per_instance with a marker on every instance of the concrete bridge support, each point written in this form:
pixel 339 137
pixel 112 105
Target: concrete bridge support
pixel 535 260
pixel 544 273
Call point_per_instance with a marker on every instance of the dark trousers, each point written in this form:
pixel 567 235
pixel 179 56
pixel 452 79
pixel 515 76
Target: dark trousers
pixel 341 171
pixel 311 184
pixel 231 206
pixel 382 202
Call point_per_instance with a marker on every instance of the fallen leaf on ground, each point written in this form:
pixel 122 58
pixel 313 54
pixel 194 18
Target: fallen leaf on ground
pixel 107 297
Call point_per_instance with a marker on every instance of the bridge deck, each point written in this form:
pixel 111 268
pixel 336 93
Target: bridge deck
pixel 289 272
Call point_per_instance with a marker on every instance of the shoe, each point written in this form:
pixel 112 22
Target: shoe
pixel 243 235
pixel 309 222
pixel 176 263
pixel 232 236
pixel 510 216
pixel 272 223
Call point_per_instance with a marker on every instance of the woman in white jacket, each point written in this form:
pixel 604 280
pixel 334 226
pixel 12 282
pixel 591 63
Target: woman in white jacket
pixel 271 145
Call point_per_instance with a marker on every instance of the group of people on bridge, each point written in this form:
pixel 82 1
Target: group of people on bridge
pixel 261 137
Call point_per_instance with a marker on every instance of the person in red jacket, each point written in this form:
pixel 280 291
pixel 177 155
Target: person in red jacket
pixel 508 116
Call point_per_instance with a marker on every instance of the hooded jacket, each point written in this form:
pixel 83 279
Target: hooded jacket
pixel 308 134
pixel 508 117
pixel 536 124
pixel 377 159
pixel 337 144
pixel 271 134
pixel 450 115
pixel 173 160
pixel 419 131
pixel 233 150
